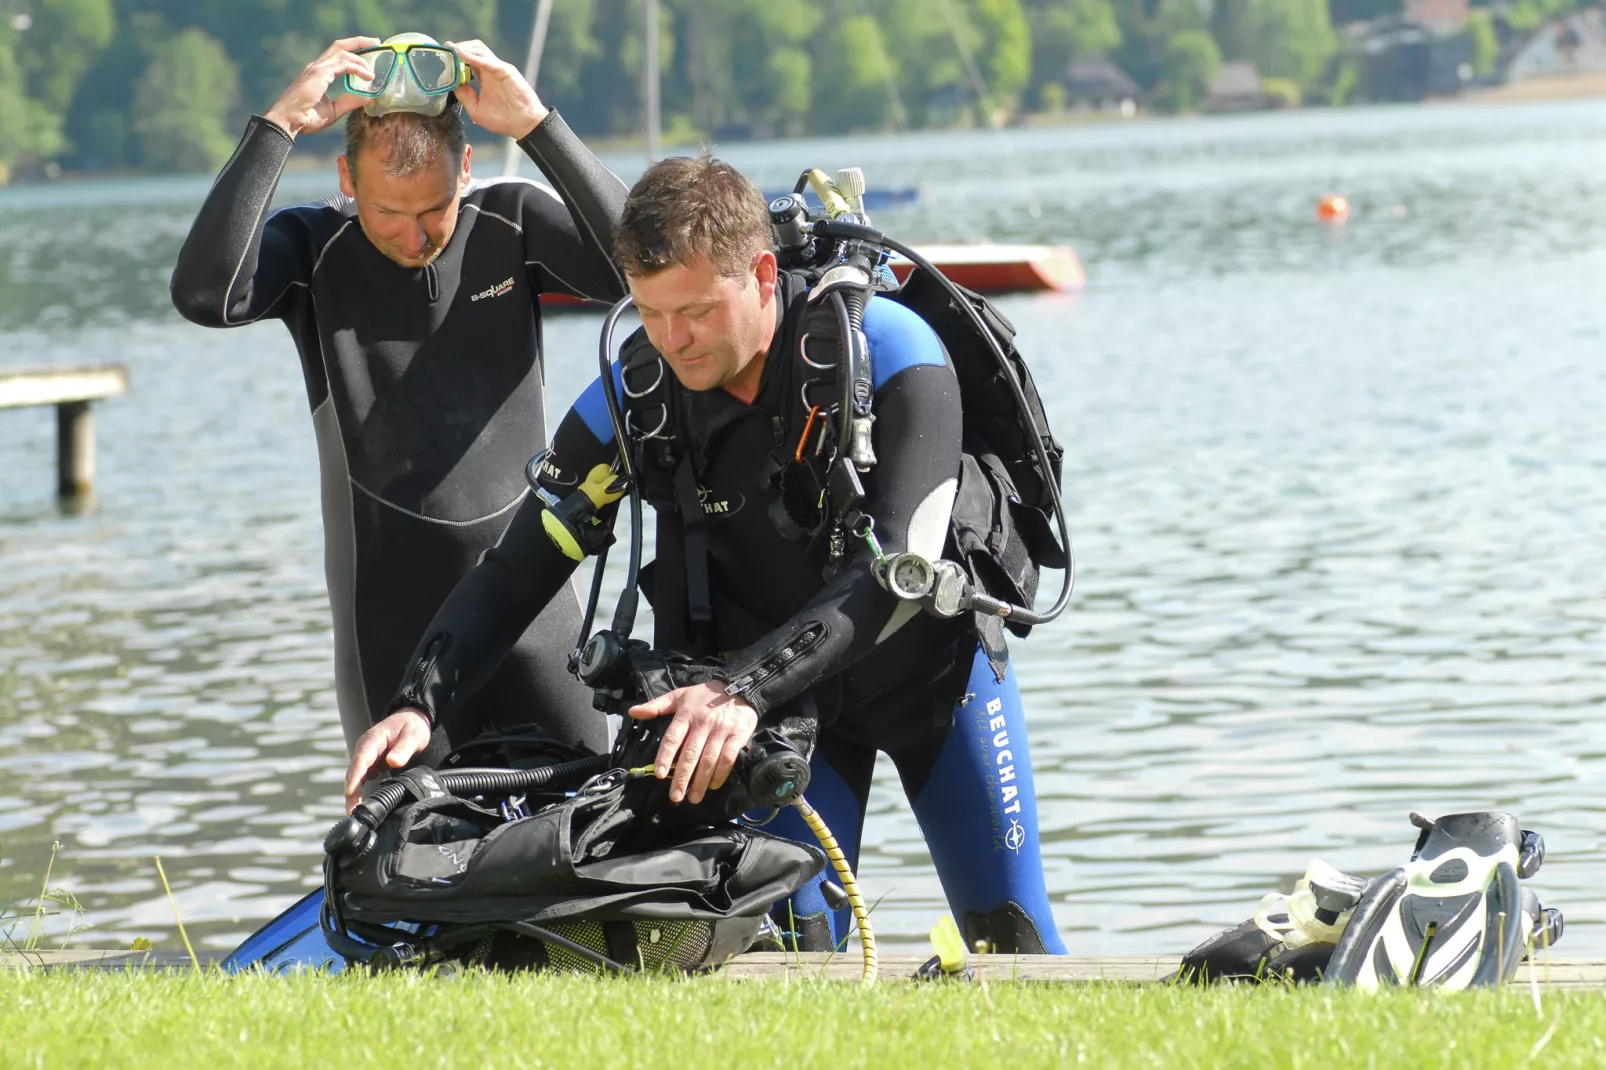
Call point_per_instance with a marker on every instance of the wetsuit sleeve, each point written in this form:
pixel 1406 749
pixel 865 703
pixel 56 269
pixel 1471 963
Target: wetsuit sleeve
pixel 569 242
pixel 238 265
pixel 496 600
pixel 910 494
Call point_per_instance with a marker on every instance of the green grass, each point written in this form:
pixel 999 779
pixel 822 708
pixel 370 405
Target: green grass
pixel 22 925
pixel 205 1021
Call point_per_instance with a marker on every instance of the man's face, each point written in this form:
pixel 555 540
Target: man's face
pixel 712 328
pixel 408 218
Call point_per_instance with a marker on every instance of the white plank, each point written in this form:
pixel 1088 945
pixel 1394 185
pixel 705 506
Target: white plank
pixel 53 384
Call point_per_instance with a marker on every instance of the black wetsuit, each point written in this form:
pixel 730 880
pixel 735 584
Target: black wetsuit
pixel 881 674
pixel 426 394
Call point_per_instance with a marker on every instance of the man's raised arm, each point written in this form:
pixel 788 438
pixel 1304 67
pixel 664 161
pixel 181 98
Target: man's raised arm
pixel 234 267
pixel 572 242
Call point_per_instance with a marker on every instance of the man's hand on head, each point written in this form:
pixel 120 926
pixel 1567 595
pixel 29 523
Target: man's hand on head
pixel 396 740
pixel 504 103
pixel 701 744
pixel 305 108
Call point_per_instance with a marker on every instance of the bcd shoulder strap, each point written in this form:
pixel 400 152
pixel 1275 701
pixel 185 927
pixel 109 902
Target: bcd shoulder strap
pixel 652 417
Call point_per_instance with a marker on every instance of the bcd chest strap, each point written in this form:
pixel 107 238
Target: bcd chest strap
pixel 656 413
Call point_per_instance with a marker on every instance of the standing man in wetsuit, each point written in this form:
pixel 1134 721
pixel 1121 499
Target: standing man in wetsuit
pixel 695 243
pixel 414 300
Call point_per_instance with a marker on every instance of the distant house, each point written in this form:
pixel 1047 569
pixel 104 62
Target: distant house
pixel 1094 83
pixel 1441 16
pixel 1236 88
pixel 1407 60
pixel 1575 44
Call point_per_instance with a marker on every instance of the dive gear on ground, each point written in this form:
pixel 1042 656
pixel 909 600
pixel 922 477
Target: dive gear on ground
pixel 571 863
pixel 578 855
pixel 1456 915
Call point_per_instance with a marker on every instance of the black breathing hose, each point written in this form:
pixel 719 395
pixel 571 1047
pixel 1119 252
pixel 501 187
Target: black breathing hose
pixel 624 614
pixel 845 324
pixel 373 810
pixel 1023 614
pixel 858 297
pixel 592 600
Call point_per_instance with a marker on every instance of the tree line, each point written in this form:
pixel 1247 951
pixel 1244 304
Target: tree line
pixel 165 85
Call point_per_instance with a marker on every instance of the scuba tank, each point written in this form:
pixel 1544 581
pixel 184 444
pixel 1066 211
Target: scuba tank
pixel 1456 915
pixel 1009 487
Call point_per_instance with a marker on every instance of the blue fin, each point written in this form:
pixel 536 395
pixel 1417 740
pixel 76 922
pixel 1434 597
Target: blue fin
pixel 291 941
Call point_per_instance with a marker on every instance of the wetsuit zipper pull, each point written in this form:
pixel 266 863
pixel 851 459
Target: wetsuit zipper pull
pixel 432 279
pixel 414 691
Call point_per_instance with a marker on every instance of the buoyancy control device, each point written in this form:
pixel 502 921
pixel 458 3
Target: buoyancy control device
pixel 566 862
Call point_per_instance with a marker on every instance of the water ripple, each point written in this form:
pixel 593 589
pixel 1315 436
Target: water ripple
pixel 1338 499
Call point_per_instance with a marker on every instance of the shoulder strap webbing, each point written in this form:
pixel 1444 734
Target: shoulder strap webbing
pixel 699 601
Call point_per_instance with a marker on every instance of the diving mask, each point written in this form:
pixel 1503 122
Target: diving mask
pixel 412 72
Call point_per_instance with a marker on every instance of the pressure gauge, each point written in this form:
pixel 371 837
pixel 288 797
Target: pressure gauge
pixel 908 576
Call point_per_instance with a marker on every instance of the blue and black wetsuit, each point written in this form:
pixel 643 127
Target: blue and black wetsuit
pixel 425 385
pixel 879 674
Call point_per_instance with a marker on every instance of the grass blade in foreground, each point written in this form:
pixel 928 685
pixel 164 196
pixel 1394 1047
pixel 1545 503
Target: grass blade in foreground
pixel 144 1019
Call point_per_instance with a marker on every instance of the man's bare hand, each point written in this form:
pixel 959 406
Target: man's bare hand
pixel 305 108
pixel 709 730
pixel 504 103
pixel 395 740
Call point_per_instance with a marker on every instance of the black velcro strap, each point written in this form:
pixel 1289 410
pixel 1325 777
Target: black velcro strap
pixel 699 602
pixel 622 944
pixel 423 783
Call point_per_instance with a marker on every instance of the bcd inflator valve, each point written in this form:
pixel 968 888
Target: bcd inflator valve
pixel 574 522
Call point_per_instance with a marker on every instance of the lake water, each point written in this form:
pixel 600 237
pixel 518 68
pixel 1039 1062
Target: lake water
pixel 1339 498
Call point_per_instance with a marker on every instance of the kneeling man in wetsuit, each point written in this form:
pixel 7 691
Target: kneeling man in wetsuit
pixel 793 630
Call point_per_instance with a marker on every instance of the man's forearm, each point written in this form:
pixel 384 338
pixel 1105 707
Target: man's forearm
pixel 839 626
pixel 593 194
pixel 213 281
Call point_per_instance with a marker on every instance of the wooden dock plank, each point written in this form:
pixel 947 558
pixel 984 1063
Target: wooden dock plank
pixel 1562 974
pixel 47 384
pixel 774 966
pixel 101 959
pixel 70 388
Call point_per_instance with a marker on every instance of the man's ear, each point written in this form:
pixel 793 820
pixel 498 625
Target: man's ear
pixel 465 177
pixel 348 186
pixel 766 270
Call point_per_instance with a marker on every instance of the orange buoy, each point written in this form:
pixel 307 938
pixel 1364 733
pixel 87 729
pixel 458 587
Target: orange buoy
pixel 1333 208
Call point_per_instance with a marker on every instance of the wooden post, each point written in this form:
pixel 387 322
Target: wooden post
pixel 70 388
pixel 75 449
